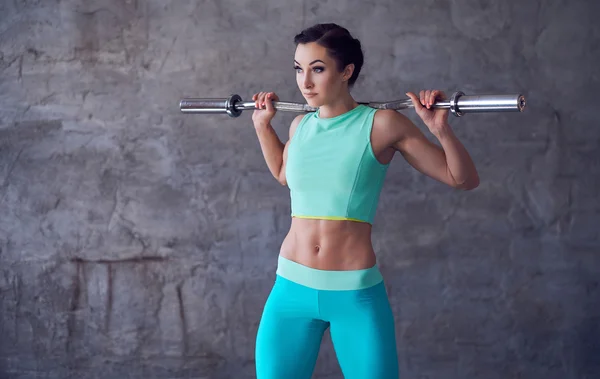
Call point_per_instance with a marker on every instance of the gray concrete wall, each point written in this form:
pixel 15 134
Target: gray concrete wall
pixel 137 242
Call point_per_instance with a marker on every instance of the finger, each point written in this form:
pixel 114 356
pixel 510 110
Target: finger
pixel 258 102
pixel 268 103
pixel 427 98
pixel 415 100
pixel 261 100
pixel 422 97
pixel 434 95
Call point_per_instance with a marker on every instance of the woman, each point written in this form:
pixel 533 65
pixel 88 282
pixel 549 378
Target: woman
pixel 334 163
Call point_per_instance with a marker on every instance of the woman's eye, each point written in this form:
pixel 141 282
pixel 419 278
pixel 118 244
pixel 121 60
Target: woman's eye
pixel 315 69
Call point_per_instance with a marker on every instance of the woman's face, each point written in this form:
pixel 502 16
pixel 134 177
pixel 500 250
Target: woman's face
pixel 317 74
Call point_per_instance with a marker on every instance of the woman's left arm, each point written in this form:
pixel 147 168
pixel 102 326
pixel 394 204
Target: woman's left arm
pixel 451 163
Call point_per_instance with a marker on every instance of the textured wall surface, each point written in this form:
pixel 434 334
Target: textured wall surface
pixel 138 242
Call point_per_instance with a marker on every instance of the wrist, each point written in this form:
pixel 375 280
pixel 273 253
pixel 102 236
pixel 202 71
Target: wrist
pixel 441 131
pixel 262 126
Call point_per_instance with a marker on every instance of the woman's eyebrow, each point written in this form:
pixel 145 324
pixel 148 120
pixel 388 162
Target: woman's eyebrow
pixel 315 61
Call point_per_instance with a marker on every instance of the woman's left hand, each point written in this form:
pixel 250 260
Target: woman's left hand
pixel 435 119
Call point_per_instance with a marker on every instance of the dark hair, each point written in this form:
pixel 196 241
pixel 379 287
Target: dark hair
pixel 340 45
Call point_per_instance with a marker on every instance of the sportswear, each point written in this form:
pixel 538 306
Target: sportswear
pixel 331 169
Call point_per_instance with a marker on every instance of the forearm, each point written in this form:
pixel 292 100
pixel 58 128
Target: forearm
pixel 459 162
pixel 272 148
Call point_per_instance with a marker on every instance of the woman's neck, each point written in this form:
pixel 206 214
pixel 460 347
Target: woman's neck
pixel 341 105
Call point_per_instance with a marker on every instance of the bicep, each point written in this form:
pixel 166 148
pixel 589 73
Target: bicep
pixel 282 179
pixel 293 127
pixel 422 154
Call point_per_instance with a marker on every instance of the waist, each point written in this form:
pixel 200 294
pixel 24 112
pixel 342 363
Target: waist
pixel 332 280
pixel 329 245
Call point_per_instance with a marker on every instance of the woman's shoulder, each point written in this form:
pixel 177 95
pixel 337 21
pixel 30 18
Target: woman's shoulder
pixel 390 124
pixel 389 118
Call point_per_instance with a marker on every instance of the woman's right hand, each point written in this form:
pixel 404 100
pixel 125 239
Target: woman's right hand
pixel 265 111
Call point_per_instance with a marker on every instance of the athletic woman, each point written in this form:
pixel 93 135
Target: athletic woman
pixel 334 164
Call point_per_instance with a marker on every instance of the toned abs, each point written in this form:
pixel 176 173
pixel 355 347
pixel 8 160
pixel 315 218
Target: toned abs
pixel 329 244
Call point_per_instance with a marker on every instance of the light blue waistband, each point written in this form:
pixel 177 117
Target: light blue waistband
pixel 328 280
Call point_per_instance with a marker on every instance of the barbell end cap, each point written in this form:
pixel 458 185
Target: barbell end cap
pixel 183 105
pixel 454 103
pixel 232 111
pixel 522 103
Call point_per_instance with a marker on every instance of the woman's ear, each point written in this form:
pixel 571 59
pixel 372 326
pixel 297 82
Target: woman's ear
pixel 348 71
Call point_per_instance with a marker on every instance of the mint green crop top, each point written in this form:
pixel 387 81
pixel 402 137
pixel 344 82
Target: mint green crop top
pixel 331 169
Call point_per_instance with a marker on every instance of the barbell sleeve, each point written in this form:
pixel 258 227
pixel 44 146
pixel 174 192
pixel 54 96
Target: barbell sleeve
pixel 458 104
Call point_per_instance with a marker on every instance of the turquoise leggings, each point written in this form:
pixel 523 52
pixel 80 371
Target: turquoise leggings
pixel 304 302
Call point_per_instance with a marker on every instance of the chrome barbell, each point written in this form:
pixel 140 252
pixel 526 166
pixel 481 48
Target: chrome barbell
pixel 458 104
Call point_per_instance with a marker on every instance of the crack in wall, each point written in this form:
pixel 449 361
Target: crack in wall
pixel 182 319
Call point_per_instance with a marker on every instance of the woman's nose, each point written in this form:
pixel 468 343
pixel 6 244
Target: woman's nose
pixel 307 82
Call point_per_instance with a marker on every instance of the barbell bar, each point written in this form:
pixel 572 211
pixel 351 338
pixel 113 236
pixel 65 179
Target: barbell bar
pixel 459 104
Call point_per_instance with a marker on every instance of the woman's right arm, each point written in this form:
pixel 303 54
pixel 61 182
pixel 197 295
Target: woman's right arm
pixel 293 127
pixel 274 151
